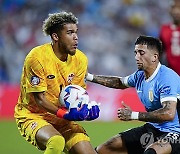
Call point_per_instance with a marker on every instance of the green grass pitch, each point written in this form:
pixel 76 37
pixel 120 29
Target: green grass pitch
pixel 12 142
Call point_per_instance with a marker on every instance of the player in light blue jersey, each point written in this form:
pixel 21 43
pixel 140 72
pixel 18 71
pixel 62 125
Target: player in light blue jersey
pixel 158 88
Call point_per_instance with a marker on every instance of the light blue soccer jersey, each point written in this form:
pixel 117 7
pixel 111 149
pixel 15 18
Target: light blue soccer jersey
pixel 163 85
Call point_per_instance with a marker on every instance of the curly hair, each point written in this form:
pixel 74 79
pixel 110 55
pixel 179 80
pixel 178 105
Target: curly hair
pixel 55 22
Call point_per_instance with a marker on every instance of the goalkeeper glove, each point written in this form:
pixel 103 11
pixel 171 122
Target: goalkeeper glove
pixel 93 110
pixel 73 114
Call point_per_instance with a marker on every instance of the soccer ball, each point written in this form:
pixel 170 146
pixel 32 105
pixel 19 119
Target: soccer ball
pixel 73 96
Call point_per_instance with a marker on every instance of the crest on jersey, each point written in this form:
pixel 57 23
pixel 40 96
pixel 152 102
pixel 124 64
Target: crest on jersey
pixel 151 97
pixel 70 77
pixel 35 80
pixel 34 125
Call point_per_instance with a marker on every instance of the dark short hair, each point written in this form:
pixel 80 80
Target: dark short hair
pixel 56 21
pixel 151 42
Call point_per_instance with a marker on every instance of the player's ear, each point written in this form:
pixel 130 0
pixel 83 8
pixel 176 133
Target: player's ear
pixel 154 57
pixel 55 36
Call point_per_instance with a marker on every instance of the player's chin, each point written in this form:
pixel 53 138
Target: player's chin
pixel 139 67
pixel 72 52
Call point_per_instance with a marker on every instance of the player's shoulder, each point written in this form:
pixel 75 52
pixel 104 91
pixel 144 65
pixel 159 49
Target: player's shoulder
pixel 168 73
pixel 139 73
pixel 166 70
pixel 80 55
pixel 168 78
pixel 38 49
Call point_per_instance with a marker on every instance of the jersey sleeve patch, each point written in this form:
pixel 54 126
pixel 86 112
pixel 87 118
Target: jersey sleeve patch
pixel 166 90
pixel 35 80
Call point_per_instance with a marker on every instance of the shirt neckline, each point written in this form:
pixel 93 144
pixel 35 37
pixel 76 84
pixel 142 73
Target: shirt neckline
pixel 155 73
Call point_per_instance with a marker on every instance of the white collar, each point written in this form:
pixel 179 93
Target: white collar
pixel 155 72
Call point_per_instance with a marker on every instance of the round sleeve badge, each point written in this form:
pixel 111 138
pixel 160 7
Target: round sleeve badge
pixel 35 80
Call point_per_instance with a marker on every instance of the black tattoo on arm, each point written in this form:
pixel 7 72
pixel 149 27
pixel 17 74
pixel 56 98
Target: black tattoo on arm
pixel 166 113
pixel 109 81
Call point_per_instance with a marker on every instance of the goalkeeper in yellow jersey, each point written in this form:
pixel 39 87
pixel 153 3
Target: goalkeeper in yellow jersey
pixel 47 69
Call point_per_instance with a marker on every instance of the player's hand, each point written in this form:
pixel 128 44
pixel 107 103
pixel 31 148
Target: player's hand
pixel 125 112
pixel 74 114
pixel 93 110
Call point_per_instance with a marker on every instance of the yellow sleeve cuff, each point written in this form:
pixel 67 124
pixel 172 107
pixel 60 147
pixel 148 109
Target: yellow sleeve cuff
pixel 37 89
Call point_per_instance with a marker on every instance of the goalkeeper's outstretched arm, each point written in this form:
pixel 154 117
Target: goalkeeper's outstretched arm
pixel 108 81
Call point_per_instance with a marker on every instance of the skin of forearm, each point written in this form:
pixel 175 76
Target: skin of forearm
pixel 108 81
pixel 161 115
pixel 45 104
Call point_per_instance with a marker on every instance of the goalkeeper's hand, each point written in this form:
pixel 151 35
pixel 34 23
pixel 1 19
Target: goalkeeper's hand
pixel 93 110
pixel 73 114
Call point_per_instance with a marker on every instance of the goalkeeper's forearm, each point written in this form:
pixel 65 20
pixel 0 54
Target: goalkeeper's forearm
pixel 108 81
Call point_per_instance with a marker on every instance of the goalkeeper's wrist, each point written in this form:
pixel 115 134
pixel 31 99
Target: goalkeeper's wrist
pixel 135 115
pixel 89 77
pixel 61 112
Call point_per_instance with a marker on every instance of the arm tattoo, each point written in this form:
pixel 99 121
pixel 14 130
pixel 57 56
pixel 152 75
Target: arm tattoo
pixel 166 113
pixel 109 81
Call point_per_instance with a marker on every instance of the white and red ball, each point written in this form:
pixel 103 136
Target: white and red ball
pixel 73 96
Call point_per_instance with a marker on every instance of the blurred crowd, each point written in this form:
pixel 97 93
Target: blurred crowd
pixel 107 31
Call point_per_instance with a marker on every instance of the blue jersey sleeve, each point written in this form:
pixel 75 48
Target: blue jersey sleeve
pixel 168 87
pixel 133 78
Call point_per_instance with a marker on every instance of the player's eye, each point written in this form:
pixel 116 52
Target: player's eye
pixel 70 32
pixel 141 53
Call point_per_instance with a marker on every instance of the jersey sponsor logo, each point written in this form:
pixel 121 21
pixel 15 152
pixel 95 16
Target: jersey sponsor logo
pixel 35 80
pixel 151 97
pixel 50 76
pixel 70 77
pixel 166 90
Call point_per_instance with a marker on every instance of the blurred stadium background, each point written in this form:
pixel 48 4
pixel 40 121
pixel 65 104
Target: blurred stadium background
pixel 107 31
